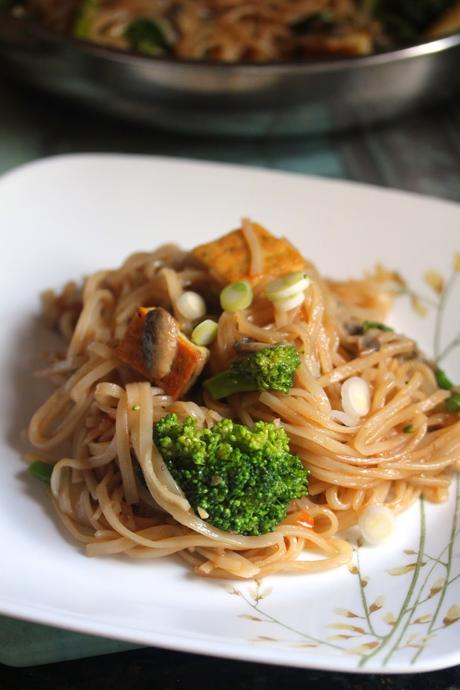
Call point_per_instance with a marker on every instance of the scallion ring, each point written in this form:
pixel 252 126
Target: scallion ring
pixel 204 333
pixel 191 305
pixel 41 470
pixel 288 303
pixel 236 296
pixel 377 523
pixel 287 286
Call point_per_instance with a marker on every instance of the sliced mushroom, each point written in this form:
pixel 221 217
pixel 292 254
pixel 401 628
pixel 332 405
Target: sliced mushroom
pixel 154 346
pixel 369 343
pixel 159 342
pixel 353 327
pixel 246 345
pixel 357 343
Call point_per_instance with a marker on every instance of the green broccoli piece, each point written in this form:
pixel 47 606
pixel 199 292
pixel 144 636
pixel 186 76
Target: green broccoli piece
pixel 238 478
pixel 142 34
pixel 272 368
pixel 146 36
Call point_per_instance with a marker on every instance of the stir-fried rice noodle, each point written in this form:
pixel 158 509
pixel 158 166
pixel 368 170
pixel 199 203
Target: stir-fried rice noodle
pixel 110 485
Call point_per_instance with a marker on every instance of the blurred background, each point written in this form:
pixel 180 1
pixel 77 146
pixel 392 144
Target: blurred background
pixel 365 90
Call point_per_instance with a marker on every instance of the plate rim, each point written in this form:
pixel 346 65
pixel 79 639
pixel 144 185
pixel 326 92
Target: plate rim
pixel 337 182
pixel 241 650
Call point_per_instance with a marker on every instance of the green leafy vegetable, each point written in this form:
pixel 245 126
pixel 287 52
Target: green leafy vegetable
pixel 240 479
pixel 311 22
pixel 453 403
pixel 443 380
pixel 376 325
pixel 409 429
pixel 272 368
pixel 85 18
pixel 146 36
pixel 41 470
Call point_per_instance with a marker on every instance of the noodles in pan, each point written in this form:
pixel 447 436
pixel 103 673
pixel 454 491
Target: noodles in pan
pixel 248 31
pixel 110 484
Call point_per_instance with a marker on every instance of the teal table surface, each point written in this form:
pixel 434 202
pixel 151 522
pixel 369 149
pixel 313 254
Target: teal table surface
pixel 420 153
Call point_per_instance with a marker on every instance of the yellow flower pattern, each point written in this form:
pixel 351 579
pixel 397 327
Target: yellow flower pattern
pixel 435 281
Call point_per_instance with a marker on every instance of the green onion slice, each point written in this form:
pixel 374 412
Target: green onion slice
pixel 236 296
pixel 41 470
pixel 376 325
pixel 191 305
pixel 204 333
pixel 287 286
pixel 453 403
pixel 443 380
pixel 288 303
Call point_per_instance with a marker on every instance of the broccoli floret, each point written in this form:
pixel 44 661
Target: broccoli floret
pixel 272 368
pixel 240 479
pixel 146 36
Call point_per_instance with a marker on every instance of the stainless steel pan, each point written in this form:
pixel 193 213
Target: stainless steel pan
pixel 312 96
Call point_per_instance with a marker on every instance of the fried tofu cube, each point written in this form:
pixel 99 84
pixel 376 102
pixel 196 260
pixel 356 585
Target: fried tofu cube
pixel 228 258
pixel 155 348
pixel 356 43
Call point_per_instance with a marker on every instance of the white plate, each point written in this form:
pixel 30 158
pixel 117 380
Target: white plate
pixel 65 217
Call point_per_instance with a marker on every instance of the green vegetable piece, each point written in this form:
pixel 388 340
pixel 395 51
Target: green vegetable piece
pixel 376 325
pixel 453 403
pixel 146 36
pixel 41 470
pixel 272 368
pixel 240 479
pixel 409 429
pixel 205 333
pixel 86 15
pixel 236 296
pixel 312 22
pixel 443 380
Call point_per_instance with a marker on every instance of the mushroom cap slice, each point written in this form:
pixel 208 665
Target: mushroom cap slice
pixel 159 342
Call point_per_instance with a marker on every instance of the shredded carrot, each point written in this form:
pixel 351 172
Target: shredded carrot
pixel 302 518
pixel 305 519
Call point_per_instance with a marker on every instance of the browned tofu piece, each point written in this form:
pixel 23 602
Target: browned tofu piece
pixel 228 258
pixel 356 43
pixel 154 347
